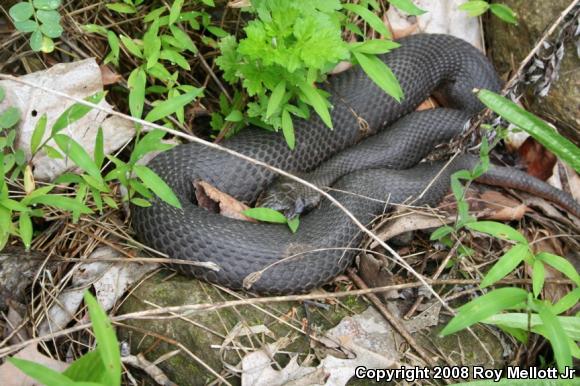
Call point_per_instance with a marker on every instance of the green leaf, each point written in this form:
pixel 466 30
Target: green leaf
pixel 560 264
pixel 175 11
pixel 51 152
pixel 483 307
pixel 94 28
pixel 504 12
pixel 474 8
pixel 51 31
pixel 9 117
pixel 46 5
pixel 25 228
pixel 568 301
pixel 78 155
pixel 276 98
pixel 157 185
pixel 266 215
pixel 45 375
pixel 288 129
pixel 106 340
pixel 175 58
pixel 381 74
pixel 170 106
pixel 48 17
pixel 38 133
pixel 131 46
pixel 110 202
pixel 372 19
pixel 183 39
pixel 407 6
pixel 375 46
pixel 21 11
pixel 556 335
pixel 235 116
pixel 317 101
pixel 47 44
pixel 115 48
pixel 506 264
pixel 136 82
pixel 36 41
pixel 534 126
pixel 571 324
pixel 99 151
pixel 152 141
pixel 13 205
pixel 26 26
pixel 140 202
pixel 75 112
pixel 538 277
pixel 498 230
pixel 61 202
pixel 122 8
pixel 152 45
pixel 441 232
pixel 87 368
pixel 293 224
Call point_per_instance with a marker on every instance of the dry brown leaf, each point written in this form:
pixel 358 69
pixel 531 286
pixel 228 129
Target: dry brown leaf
pixel 213 199
pixel 109 76
pixel 538 160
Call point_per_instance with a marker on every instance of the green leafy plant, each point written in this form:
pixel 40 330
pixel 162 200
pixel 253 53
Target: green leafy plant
pixel 41 18
pixel 18 208
pixel 479 7
pixel 526 311
pixel 102 366
pixel 290 46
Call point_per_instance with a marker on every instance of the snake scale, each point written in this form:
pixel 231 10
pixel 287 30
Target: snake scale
pixel 326 241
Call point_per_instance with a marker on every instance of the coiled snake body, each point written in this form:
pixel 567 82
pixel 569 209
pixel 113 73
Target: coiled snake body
pixel 321 249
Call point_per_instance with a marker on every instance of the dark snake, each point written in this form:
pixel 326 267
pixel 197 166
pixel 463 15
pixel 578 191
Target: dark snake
pixel 326 241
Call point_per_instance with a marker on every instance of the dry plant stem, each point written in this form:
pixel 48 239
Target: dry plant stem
pixel 392 319
pixel 246 158
pixel 203 307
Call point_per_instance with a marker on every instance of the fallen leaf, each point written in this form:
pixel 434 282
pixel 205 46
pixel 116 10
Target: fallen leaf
pixel 215 200
pixel 12 376
pixel 109 76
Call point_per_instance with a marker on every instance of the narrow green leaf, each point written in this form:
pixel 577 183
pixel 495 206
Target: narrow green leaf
pixel 506 264
pixel 61 202
pixel 441 232
pixel 25 229
pixel 110 202
pixel 51 152
pixel 499 230
pixel 38 133
pixel 293 224
pixel 183 39
pixel 106 340
pixel 99 151
pixel 266 215
pixel 375 46
pixel 157 185
pixel 13 205
pixel 140 202
pixel 556 335
pixel 407 6
pixel 570 324
pixel 136 82
pixel 175 58
pixel 115 46
pixel 43 374
pixel 372 19
pixel 131 46
pixel 483 307
pixel 561 264
pixel 78 155
pixel 381 74
pixel 288 129
pixel 88 368
pixel 152 141
pixel 170 106
pixel 175 11
pixel 504 12
pixel 317 101
pixel 538 277
pixel 276 98
pixel 534 126
pixel 568 301
pixel 121 8
pixel 75 112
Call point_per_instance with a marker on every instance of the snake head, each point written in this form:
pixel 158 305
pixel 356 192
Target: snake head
pixel 289 197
